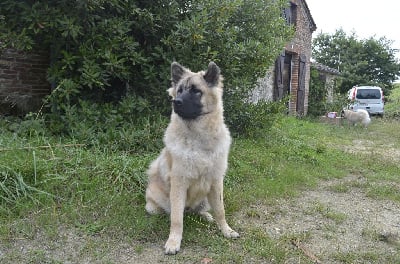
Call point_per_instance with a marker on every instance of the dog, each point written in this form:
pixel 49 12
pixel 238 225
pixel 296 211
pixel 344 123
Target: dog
pixel 189 172
pixel 359 116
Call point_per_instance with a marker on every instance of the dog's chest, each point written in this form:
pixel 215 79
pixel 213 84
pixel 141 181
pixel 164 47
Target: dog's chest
pixel 200 154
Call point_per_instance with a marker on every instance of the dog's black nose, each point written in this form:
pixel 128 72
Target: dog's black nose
pixel 178 102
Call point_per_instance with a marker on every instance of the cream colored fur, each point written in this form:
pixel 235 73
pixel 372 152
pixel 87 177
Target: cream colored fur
pixel 189 172
pixel 360 116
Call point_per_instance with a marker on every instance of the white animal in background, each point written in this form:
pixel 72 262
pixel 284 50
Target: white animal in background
pixel 359 116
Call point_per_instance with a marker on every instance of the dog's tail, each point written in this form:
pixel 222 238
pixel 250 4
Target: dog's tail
pixel 366 118
pixel 366 121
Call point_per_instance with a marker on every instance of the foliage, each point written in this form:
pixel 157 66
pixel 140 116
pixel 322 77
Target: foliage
pixel 317 95
pixel 128 125
pixel 392 103
pixel 104 50
pixel 13 187
pixel 340 101
pixel 361 62
pixel 252 120
pixel 318 104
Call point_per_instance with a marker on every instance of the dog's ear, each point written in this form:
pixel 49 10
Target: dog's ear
pixel 177 71
pixel 212 74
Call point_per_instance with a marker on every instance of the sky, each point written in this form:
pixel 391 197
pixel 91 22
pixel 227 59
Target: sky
pixel 365 18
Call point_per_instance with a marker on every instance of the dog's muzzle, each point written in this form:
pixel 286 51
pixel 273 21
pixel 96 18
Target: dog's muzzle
pixel 187 106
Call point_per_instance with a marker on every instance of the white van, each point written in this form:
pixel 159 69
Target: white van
pixel 369 98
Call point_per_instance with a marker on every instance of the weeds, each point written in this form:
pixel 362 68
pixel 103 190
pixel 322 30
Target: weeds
pixel 13 188
pixel 340 188
pixel 98 188
pixel 329 213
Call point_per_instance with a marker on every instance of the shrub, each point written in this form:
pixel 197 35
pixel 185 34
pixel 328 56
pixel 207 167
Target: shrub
pixel 318 105
pixel 317 95
pixel 129 125
pixel 392 109
pixel 339 102
pixel 249 119
pixel 103 51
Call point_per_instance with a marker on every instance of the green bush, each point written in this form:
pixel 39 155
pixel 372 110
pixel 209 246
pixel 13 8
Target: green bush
pixel 339 102
pixel 318 105
pixel 317 95
pixel 392 105
pixel 252 120
pixel 102 51
pixel 129 125
pixel 29 126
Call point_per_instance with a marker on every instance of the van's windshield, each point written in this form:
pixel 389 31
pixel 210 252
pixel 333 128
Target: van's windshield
pixel 368 94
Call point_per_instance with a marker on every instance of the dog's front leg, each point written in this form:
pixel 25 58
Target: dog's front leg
pixel 177 198
pixel 216 200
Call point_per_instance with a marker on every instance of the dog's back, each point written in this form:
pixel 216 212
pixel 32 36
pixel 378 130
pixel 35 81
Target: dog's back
pixel 359 116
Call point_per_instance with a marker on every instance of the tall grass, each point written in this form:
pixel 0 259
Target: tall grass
pixel 13 187
pixel 99 188
pixel 61 170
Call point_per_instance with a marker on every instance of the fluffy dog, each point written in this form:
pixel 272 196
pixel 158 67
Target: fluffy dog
pixel 359 116
pixel 189 172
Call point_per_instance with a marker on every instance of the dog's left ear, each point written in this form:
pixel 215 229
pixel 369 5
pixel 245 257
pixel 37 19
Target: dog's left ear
pixel 212 74
pixel 177 71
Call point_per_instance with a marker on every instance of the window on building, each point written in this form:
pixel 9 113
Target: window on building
pixel 289 14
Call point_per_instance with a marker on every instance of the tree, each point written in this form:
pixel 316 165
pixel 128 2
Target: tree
pixel 361 62
pixel 105 49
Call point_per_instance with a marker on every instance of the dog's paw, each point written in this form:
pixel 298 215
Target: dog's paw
pixel 230 233
pixel 207 216
pixel 152 209
pixel 172 246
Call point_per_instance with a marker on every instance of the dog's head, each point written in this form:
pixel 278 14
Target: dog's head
pixel 195 94
pixel 345 113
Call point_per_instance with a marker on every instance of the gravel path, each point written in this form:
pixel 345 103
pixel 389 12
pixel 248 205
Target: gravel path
pixel 331 223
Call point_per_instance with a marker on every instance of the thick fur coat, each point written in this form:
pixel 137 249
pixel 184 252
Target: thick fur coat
pixel 360 116
pixel 189 172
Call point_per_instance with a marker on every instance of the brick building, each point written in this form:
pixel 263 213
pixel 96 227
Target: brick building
pixel 291 73
pixel 23 82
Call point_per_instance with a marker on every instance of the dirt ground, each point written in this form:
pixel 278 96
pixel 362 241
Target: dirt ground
pixel 331 222
pixel 324 221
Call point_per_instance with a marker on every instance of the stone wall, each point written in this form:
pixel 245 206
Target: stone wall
pixel 330 87
pixel 23 82
pixel 262 92
pixel 328 76
pixel 300 45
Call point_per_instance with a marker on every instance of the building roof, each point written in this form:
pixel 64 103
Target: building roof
pixel 323 68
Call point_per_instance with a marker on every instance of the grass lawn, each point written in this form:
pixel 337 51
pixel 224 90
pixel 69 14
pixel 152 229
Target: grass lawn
pixel 49 185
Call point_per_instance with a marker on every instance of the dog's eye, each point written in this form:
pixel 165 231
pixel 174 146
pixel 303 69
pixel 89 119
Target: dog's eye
pixel 180 90
pixel 196 91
